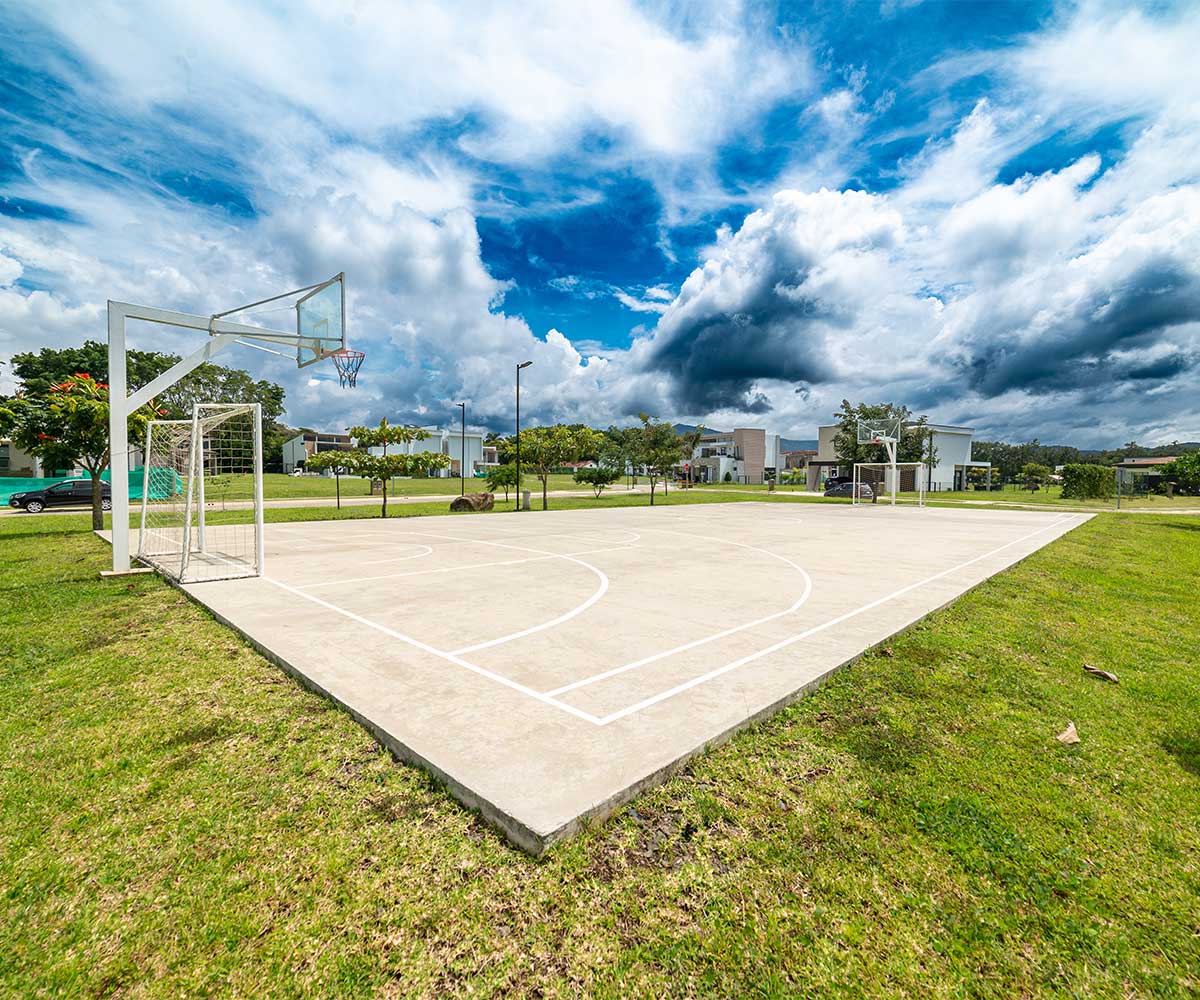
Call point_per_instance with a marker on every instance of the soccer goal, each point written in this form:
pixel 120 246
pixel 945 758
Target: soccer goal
pixel 883 478
pixel 188 465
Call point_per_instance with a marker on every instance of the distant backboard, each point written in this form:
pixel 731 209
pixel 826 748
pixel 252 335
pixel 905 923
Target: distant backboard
pixel 321 322
pixel 879 431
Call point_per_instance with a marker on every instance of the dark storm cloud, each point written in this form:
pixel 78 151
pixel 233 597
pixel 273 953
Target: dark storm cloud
pixel 1074 352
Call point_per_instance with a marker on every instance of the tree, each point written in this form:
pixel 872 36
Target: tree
pixel 1184 472
pixel 598 478
pixel 689 442
pixel 1034 475
pixel 386 467
pixel 659 450
pixel 208 383
pixel 845 442
pixel 71 425
pixel 502 477
pixel 546 448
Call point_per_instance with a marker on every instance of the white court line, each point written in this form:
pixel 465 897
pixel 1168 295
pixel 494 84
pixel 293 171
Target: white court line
pixel 415 555
pixel 578 610
pixel 451 657
pixel 457 569
pixel 804 596
pixel 784 643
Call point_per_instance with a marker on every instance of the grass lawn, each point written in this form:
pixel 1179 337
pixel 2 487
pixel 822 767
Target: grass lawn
pixel 179 818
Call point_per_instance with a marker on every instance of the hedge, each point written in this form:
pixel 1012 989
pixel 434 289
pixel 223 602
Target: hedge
pixel 1087 482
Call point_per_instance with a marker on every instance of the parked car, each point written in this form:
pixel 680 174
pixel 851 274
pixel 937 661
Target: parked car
pixel 70 492
pixel 847 490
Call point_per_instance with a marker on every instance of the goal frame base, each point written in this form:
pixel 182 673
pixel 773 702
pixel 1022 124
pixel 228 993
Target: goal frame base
pixel 892 470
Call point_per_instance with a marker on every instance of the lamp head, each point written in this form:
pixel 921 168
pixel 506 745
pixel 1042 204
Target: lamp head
pixel 524 364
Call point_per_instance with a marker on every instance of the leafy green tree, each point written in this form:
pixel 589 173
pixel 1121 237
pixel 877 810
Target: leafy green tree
pixel 1034 475
pixel 546 448
pixel 689 441
pixel 386 467
pixel 659 451
pixel 502 477
pixel 845 442
pixel 598 478
pixel 1184 472
pixel 207 383
pixel 70 424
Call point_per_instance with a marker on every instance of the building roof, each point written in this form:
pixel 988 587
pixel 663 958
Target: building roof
pixel 801 451
pixel 1145 463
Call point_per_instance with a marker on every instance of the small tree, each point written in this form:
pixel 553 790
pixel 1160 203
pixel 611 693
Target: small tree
pixel 599 478
pixel 333 460
pixel 689 441
pixel 503 477
pixel 386 467
pixel 1034 475
pixel 546 448
pixel 659 451
pixel 71 425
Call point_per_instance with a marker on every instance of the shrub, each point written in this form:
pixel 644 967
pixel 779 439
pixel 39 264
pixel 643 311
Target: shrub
pixel 1088 482
pixel 729 477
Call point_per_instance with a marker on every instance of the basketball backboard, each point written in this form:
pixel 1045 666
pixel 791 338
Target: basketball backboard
pixel 321 322
pixel 880 431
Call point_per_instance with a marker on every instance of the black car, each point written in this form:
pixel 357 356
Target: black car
pixel 847 490
pixel 70 492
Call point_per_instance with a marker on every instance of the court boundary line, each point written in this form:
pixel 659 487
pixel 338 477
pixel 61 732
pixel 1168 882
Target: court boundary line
pixel 582 714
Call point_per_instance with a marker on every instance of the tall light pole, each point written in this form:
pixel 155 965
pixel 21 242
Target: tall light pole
pixel 523 364
pixel 462 452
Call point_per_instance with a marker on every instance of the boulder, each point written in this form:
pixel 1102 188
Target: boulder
pixel 473 501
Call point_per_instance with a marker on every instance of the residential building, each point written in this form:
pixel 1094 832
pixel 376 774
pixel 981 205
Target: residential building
pixel 798 459
pixel 299 449
pixel 745 455
pixel 18 464
pixel 450 442
pixel 950 470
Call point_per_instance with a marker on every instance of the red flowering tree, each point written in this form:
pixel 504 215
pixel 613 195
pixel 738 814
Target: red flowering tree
pixel 69 425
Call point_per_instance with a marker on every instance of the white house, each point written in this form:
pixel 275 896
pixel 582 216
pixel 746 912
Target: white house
pixel 452 443
pixel 952 447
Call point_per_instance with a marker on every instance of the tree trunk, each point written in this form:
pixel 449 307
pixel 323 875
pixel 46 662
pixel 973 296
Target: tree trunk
pixel 384 514
pixel 544 503
pixel 97 497
pixel 651 491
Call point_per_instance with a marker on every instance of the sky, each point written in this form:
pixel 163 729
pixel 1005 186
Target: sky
pixel 735 214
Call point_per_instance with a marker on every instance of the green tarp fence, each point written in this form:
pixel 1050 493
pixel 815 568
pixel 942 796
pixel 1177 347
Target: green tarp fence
pixel 164 483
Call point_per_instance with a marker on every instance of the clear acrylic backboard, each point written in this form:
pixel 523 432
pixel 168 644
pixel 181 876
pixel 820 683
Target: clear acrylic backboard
pixel 321 322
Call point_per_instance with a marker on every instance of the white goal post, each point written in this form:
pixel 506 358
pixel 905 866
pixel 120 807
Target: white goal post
pixel 320 332
pixel 216 455
pixel 889 478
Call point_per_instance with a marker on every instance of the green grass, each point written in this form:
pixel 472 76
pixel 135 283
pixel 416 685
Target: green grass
pixel 181 819
pixel 277 486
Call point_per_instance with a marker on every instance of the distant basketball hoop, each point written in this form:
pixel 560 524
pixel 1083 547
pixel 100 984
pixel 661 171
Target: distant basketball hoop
pixel 347 363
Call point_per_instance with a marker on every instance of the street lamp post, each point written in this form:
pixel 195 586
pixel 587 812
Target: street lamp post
pixel 523 364
pixel 462 452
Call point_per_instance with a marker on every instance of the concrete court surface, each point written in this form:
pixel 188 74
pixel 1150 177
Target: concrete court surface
pixel 549 666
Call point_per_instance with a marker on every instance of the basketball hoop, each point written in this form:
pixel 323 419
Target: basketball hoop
pixel 347 363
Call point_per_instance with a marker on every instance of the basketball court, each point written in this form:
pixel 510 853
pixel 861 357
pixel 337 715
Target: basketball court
pixel 549 666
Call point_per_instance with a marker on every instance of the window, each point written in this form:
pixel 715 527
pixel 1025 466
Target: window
pixel 4 459
pixel 61 488
pixel 81 489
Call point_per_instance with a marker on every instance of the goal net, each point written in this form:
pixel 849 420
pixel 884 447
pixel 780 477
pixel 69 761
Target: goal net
pixel 873 480
pixel 191 467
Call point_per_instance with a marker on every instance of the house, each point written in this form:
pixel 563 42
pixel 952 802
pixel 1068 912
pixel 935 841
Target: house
pixel 467 448
pixel 1139 475
pixel 18 464
pixel 303 446
pixel 950 470
pixel 744 455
